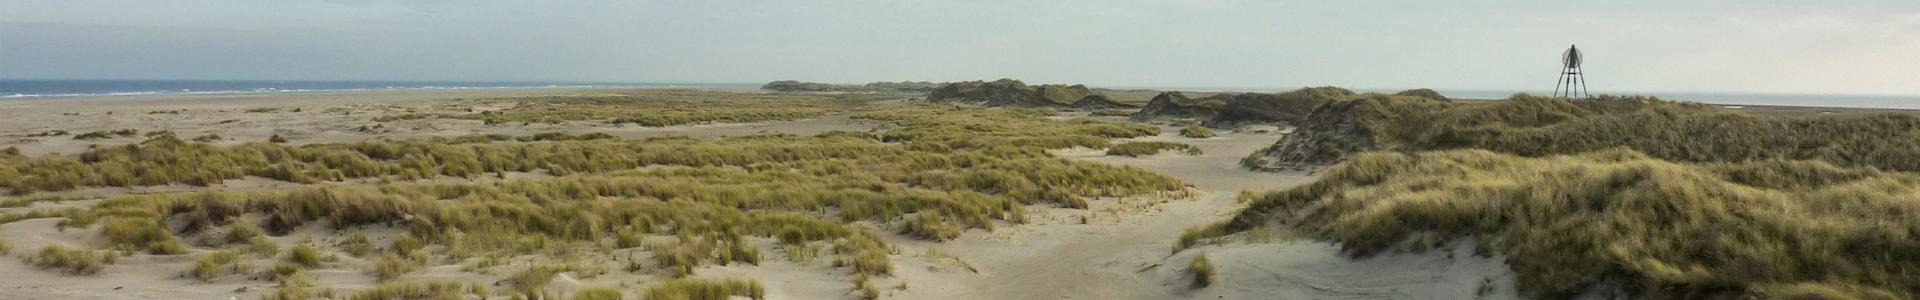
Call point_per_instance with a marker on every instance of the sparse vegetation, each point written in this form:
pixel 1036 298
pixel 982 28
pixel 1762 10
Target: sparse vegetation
pixel 597 293
pixel 392 266
pixel 49 133
pixel 1197 131
pixel 1137 149
pixel 1773 229
pixel 665 108
pixel 429 290
pixel 211 265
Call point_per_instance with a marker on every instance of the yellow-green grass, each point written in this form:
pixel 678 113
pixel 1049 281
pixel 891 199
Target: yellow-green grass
pixel 1202 271
pixel 72 261
pixel 1770 229
pixel 705 289
pixel 718 200
pixel 429 290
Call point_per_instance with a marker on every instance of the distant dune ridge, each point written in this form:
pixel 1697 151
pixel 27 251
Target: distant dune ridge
pixel 1533 126
pixel 1098 101
pixel 802 86
pixel 1009 92
pixel 1234 109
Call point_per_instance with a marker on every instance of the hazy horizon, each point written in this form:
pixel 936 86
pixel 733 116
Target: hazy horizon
pixel 1845 47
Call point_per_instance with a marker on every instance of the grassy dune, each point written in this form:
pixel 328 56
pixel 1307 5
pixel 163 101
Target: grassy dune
pixel 684 202
pixel 1768 229
pixel 660 108
pixel 1538 126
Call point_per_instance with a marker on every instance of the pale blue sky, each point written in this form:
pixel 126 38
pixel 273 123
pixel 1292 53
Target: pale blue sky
pixel 1859 47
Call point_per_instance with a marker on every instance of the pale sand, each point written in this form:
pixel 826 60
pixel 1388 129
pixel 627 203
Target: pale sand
pixel 324 117
pixel 1118 249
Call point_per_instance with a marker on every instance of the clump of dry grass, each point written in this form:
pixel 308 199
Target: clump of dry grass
pixel 72 261
pixel 1762 229
pixel 211 265
pixel 1138 149
pixel 392 266
pixel 1197 131
pixel 705 289
pixel 429 290
pixel 1201 270
pixel 305 256
pixel 597 293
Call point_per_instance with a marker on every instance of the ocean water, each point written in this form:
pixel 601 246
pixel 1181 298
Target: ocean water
pixel 34 88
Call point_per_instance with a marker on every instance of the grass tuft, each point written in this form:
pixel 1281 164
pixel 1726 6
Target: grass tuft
pixel 1201 270
pixel 1138 149
pixel 1197 131
pixel 705 289
pixel 72 261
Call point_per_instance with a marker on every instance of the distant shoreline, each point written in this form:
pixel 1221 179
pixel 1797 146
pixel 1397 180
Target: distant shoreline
pixel 1769 103
pixel 14 89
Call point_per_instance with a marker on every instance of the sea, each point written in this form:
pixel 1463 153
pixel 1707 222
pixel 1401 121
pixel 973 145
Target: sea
pixel 42 88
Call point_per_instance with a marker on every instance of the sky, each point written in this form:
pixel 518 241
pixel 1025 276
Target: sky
pixel 1844 47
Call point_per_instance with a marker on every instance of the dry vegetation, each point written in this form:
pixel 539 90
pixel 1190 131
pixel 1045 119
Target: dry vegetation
pixel 1197 131
pixel 1767 229
pixel 682 202
pixel 1138 149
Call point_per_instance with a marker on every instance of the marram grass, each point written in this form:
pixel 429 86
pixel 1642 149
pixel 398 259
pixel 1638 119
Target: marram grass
pixel 936 174
pixel 1770 229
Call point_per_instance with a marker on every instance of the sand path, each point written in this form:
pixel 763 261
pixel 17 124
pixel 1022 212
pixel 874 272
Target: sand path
pixel 1128 255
